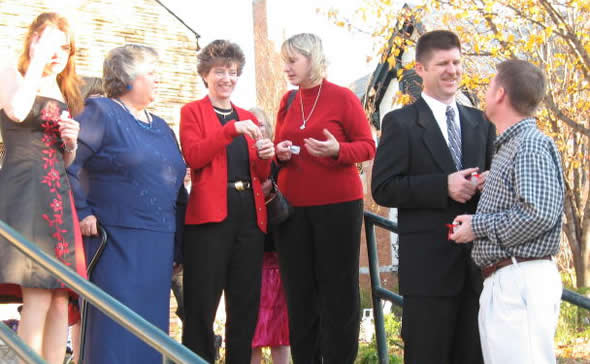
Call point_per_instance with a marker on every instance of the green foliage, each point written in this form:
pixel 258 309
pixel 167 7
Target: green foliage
pixel 368 355
pixel 368 351
pixel 366 300
pixel 574 322
pixel 393 331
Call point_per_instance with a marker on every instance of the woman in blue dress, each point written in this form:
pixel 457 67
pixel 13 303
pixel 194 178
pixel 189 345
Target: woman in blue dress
pixel 134 173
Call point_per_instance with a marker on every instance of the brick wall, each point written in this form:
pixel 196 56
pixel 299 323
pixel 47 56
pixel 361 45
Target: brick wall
pixel 101 25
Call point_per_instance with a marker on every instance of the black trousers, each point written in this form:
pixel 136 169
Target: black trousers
pixel 319 260
pixel 441 330
pixel 225 256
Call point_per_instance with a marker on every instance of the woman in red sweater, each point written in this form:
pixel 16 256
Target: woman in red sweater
pixel 226 215
pixel 319 139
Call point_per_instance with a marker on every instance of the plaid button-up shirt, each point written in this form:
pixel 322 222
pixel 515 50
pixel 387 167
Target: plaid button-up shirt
pixel 520 210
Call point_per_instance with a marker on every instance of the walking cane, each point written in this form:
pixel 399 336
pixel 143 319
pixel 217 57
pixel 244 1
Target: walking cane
pixel 103 243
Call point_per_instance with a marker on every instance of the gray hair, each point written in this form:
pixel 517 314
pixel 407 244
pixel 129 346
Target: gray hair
pixel 310 46
pixel 262 117
pixel 120 67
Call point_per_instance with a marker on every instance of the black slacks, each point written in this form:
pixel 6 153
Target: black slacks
pixel 441 330
pixel 319 260
pixel 225 256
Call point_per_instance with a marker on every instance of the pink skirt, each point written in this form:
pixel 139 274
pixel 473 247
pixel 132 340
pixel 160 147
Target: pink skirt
pixel 273 326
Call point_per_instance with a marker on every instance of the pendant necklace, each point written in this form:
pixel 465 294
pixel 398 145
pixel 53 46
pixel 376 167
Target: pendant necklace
pixel 148 117
pixel 223 112
pixel 305 120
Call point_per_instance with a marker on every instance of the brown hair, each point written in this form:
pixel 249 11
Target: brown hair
pixel 92 87
pixel 524 84
pixel 220 52
pixel 68 81
pixel 436 39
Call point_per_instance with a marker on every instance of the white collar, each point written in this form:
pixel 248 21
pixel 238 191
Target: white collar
pixel 439 107
pixel 439 110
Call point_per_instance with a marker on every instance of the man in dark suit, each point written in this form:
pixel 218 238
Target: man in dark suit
pixel 426 155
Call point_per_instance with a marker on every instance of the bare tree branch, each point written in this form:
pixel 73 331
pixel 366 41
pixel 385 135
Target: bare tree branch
pixel 550 103
pixel 571 38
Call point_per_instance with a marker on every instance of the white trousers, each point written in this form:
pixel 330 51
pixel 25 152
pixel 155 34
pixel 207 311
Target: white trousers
pixel 518 313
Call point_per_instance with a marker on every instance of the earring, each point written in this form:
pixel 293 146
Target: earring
pixel 129 87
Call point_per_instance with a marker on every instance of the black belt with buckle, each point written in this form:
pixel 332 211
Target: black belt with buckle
pixel 240 185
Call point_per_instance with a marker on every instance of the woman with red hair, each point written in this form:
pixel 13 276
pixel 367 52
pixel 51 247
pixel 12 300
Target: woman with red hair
pixel 36 100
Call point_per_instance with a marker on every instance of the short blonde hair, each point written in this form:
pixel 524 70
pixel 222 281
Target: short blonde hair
pixel 310 46
pixel 119 69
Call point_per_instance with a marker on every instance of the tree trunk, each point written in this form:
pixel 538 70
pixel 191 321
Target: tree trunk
pixel 583 276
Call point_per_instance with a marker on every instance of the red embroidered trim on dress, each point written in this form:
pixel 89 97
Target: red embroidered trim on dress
pixel 50 115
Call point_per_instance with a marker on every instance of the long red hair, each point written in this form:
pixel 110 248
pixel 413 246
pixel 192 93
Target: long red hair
pixel 68 81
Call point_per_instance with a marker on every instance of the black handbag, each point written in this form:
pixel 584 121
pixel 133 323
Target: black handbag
pixel 278 208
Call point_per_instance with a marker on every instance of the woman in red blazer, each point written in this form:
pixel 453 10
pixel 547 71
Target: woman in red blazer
pixel 226 215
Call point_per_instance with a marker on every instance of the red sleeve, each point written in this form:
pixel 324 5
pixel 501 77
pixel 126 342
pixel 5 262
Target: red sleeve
pixel 281 117
pixel 262 168
pixel 199 150
pixel 360 145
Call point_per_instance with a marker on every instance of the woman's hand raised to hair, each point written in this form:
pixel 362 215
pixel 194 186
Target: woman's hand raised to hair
pixel 45 45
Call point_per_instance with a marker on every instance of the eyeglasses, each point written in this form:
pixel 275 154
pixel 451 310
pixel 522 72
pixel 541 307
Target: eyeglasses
pixel 221 73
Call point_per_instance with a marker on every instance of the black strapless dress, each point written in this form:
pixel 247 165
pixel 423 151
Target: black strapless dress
pixel 35 200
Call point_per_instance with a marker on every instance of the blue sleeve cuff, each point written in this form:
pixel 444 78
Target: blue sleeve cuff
pixel 84 212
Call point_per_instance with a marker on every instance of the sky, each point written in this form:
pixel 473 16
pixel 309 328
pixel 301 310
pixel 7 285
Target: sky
pixel 232 19
pixel 346 51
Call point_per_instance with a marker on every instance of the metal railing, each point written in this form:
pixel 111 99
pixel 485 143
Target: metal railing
pixel 15 343
pixel 141 328
pixel 379 293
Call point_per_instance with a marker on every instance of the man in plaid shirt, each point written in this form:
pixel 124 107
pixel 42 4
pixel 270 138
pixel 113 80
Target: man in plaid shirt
pixel 517 225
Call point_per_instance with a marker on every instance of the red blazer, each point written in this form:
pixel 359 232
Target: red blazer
pixel 204 140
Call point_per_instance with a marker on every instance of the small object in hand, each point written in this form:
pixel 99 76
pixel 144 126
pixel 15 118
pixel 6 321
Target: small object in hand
pixel 474 178
pixel 65 114
pixel 259 143
pixel 452 228
pixel 295 149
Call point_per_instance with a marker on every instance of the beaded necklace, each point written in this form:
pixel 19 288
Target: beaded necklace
pixel 142 124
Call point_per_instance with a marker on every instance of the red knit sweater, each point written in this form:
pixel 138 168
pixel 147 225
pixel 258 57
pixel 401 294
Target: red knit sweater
pixel 306 180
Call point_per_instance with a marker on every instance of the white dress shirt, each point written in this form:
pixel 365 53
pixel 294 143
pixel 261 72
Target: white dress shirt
pixel 439 109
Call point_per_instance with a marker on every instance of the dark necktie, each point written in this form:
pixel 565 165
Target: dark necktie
pixel 454 138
